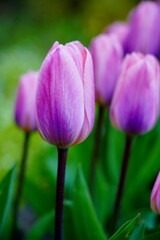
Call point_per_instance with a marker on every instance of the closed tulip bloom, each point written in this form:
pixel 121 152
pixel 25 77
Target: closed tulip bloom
pixel 135 105
pixel 144 33
pixel 107 56
pixel 119 30
pixel 65 95
pixel 155 196
pixel 25 115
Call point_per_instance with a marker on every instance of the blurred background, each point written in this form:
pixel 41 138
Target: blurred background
pixel 27 31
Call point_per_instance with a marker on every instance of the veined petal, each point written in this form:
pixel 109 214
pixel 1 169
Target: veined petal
pixel 89 98
pixel 60 100
pixel 135 105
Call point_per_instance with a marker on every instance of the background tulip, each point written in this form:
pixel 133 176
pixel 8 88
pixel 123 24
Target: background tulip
pixel 155 195
pixel 119 30
pixel 107 55
pixel 25 115
pixel 65 95
pixel 135 105
pixel 144 33
pixel 25 118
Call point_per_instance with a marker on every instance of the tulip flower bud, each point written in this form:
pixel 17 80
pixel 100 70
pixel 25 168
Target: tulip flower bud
pixel 119 30
pixel 144 33
pixel 155 195
pixel 65 95
pixel 107 56
pixel 135 105
pixel 25 115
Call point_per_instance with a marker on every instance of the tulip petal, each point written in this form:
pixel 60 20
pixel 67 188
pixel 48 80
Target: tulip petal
pixel 25 116
pixel 135 104
pixel 142 29
pixel 89 98
pixel 60 101
pixel 107 56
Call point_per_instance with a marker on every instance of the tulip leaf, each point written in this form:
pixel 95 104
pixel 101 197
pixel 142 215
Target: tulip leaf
pixel 85 220
pixel 33 194
pixel 42 227
pixel 126 230
pixel 6 197
pixel 103 196
pixel 69 230
pixel 138 233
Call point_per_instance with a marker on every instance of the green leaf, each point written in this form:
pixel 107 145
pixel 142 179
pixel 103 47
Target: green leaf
pixel 138 233
pixel 6 197
pixel 41 227
pixel 85 220
pixel 33 194
pixel 103 197
pixel 126 230
pixel 69 230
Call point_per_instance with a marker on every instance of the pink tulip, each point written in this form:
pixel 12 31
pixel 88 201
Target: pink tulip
pixel 107 56
pixel 65 95
pixel 119 30
pixel 135 105
pixel 155 195
pixel 144 31
pixel 25 115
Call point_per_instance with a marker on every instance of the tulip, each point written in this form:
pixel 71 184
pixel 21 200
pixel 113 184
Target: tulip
pixel 144 33
pixel 107 56
pixel 135 105
pixel 25 115
pixel 119 30
pixel 65 107
pixel 25 118
pixel 155 195
pixel 65 95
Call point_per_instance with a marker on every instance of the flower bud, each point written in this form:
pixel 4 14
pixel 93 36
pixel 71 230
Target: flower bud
pixel 155 195
pixel 65 95
pixel 135 105
pixel 25 115
pixel 119 30
pixel 144 33
pixel 107 56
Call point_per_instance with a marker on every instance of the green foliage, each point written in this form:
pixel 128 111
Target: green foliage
pixel 6 198
pixel 42 227
pixel 84 217
pixel 125 232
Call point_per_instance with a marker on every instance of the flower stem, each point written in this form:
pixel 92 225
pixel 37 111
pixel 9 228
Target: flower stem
pixel 96 148
pixel 62 156
pixel 121 183
pixel 20 184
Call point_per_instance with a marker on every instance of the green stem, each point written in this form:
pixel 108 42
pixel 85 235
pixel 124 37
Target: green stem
pixel 122 179
pixel 96 148
pixel 20 184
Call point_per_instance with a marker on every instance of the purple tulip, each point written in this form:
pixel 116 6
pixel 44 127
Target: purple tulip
pixel 144 33
pixel 25 115
pixel 155 195
pixel 135 105
pixel 119 30
pixel 107 56
pixel 65 95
